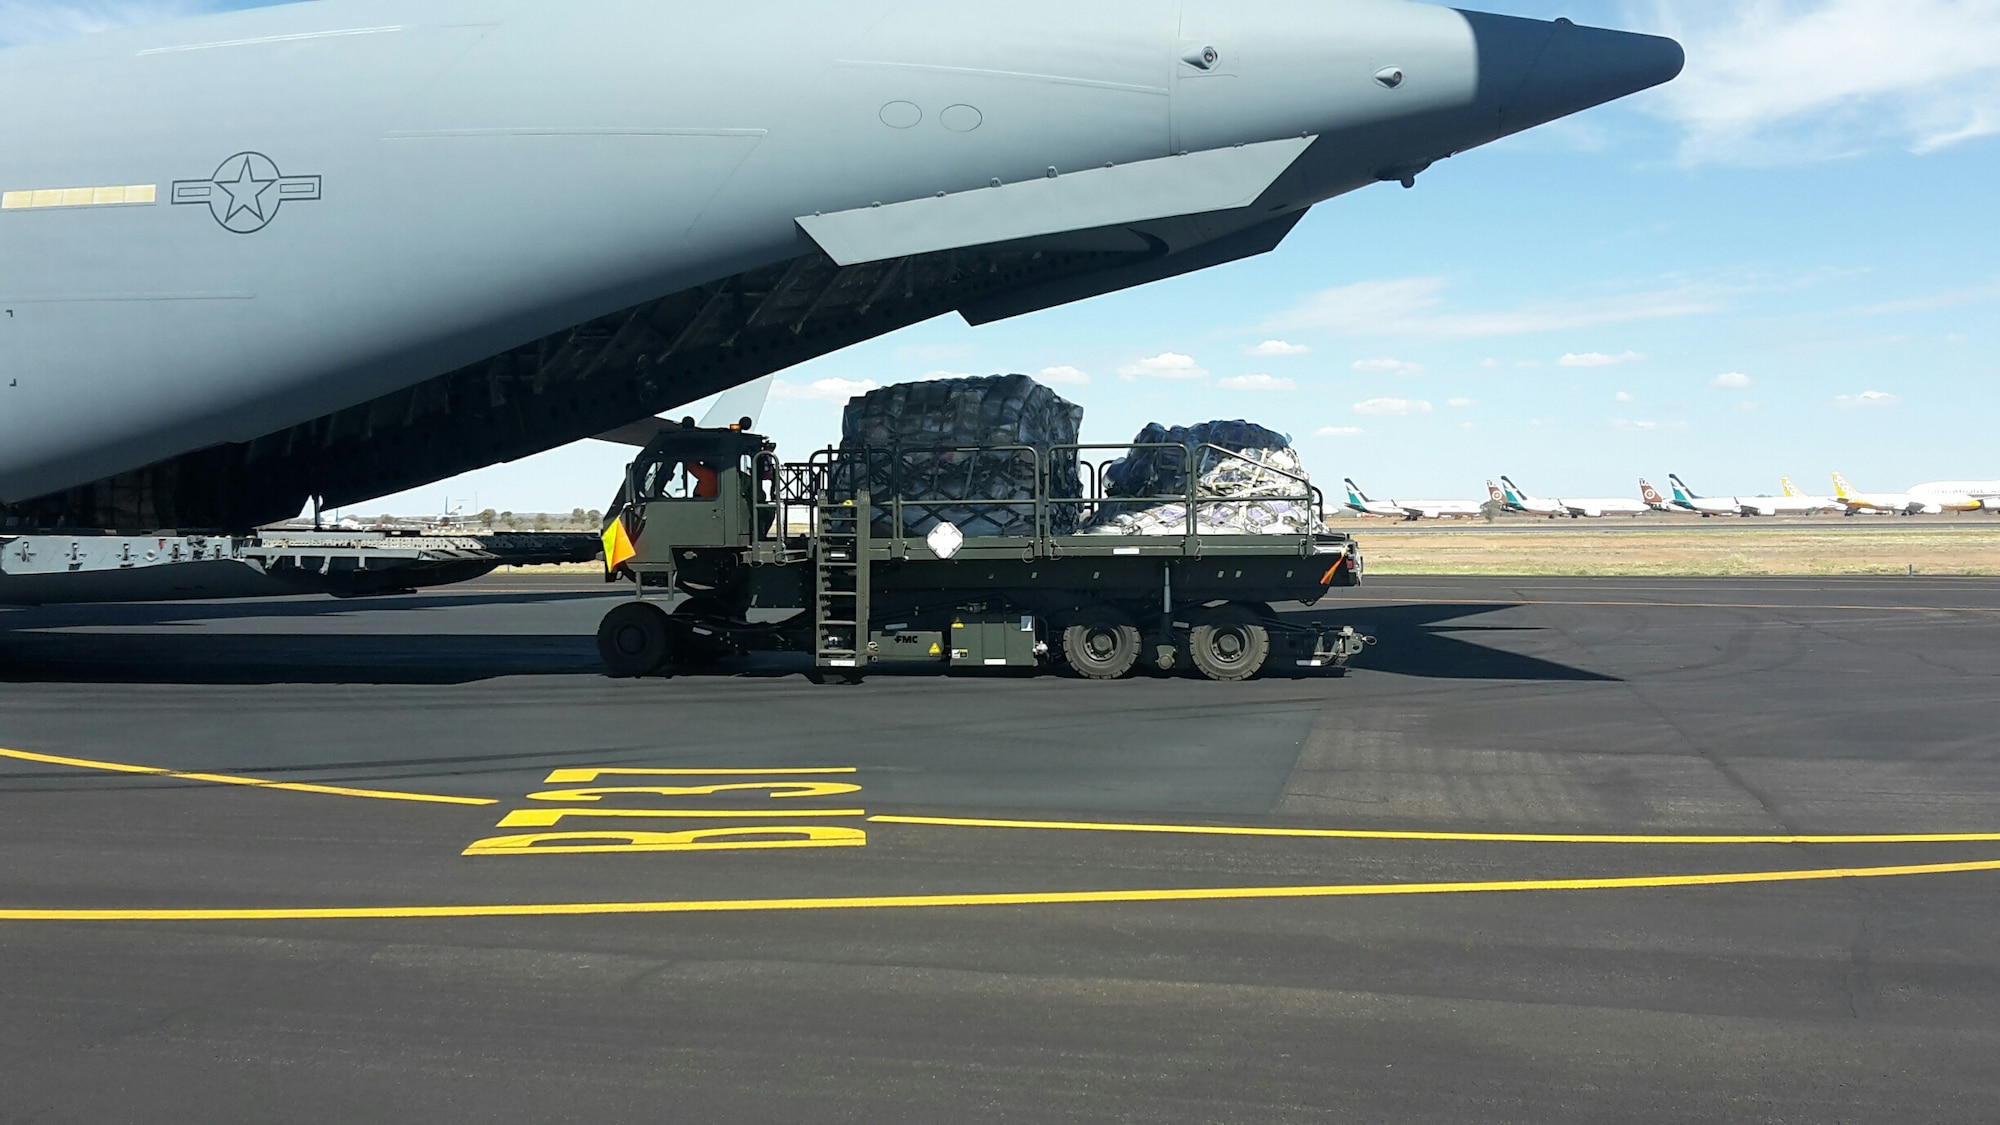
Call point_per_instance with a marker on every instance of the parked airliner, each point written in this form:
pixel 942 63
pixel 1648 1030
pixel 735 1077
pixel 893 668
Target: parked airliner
pixel 1358 500
pixel 1797 500
pixel 1910 503
pixel 1987 492
pixel 1517 499
pixel 1792 503
pixel 1688 500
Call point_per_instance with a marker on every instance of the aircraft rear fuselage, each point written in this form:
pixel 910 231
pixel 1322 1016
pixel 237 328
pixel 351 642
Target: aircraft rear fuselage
pixel 276 232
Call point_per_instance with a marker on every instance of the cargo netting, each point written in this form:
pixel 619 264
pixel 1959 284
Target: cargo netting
pixel 1248 481
pixel 904 440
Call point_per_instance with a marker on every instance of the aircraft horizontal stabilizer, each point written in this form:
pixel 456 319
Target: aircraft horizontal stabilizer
pixel 745 400
pixel 1194 184
pixel 640 433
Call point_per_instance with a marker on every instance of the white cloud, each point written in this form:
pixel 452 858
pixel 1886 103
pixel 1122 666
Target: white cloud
pixel 1625 396
pixel 1391 366
pixel 1460 403
pixel 1256 383
pixel 1489 363
pixel 1868 399
pixel 1983 121
pixel 1338 431
pixel 1392 407
pixel 1730 381
pixel 1931 302
pixel 1628 424
pixel 35 21
pixel 1277 347
pixel 1415 306
pixel 1063 376
pixel 1598 359
pixel 1166 365
pixel 1778 81
pixel 949 375
pixel 822 390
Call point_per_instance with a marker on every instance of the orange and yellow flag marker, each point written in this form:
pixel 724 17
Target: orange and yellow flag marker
pixel 618 548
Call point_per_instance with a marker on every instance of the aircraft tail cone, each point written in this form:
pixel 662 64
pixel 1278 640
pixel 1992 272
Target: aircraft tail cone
pixel 1534 71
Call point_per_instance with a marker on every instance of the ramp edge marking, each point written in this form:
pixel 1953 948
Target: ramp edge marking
pixel 1478 837
pixel 1026 898
pixel 251 782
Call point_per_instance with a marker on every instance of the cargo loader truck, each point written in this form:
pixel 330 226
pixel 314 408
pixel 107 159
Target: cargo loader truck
pixel 731 550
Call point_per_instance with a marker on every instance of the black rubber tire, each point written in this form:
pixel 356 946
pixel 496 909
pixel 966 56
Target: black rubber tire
pixel 1230 642
pixel 634 640
pixel 1101 644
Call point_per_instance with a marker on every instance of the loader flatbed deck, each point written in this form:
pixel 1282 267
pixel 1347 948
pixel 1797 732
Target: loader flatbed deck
pixel 877 576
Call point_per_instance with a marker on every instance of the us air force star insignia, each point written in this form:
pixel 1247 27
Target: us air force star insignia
pixel 246 192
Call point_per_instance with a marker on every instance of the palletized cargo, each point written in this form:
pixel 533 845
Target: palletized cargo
pixel 1242 476
pixel 939 443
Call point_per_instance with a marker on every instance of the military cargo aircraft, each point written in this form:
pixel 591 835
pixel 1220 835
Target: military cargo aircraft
pixel 319 253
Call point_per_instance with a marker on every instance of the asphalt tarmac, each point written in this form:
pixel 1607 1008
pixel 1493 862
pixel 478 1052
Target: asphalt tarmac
pixel 1554 851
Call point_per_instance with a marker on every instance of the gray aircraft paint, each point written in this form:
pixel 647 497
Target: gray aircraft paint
pixel 354 196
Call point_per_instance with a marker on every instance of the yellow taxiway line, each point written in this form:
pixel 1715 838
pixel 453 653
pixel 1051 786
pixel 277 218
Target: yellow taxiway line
pixel 1471 837
pixel 253 782
pixel 1023 898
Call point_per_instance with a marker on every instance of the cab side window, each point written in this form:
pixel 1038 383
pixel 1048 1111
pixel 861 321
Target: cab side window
pixel 664 480
pixel 679 480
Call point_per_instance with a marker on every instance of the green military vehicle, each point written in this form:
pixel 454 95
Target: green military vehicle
pixel 833 557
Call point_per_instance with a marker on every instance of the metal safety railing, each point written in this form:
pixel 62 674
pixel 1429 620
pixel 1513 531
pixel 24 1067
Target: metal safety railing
pixel 1057 490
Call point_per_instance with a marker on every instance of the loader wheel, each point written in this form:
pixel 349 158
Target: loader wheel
pixel 1229 643
pixel 634 640
pixel 1101 644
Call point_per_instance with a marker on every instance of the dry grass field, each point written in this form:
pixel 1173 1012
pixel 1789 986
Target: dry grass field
pixel 1657 546
pixel 1826 546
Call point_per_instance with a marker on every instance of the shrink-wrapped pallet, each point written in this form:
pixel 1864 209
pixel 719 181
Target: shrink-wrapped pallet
pixel 901 440
pixel 1250 483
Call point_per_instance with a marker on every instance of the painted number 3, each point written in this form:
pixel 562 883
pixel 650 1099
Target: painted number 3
pixel 605 805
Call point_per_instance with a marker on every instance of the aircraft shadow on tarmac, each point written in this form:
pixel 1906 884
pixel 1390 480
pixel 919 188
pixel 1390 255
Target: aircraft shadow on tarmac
pixel 1418 640
pixel 1415 640
pixel 133 614
pixel 33 651
pixel 236 658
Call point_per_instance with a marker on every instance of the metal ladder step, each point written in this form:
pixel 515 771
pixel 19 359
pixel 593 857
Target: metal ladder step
pixel 840 583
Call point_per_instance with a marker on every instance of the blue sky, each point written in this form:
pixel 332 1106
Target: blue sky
pixel 1783 263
